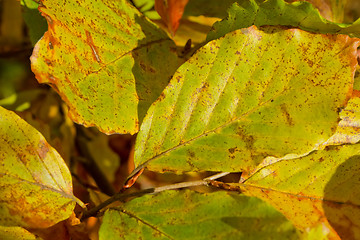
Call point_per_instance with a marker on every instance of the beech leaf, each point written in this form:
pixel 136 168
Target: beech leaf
pixel 171 12
pixel 245 13
pixel 18 233
pixel 251 94
pixel 321 188
pixel 35 183
pixel 348 130
pixel 192 215
pixel 105 59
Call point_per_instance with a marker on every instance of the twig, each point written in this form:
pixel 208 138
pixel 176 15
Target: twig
pixel 122 196
pixel 117 197
pixel 216 176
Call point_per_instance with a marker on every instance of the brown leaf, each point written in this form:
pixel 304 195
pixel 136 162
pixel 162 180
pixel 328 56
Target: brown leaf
pixel 171 12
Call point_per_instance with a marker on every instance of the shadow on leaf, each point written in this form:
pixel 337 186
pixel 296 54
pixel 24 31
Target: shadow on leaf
pixel 342 204
pixel 154 64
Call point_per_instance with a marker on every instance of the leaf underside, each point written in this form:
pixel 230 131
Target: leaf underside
pixel 251 94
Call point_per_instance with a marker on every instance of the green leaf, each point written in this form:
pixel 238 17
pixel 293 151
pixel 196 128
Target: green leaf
pixel 318 189
pixel 244 97
pixel 105 59
pixel 191 215
pixel 35 183
pixel 35 23
pixel 246 13
pixel 147 7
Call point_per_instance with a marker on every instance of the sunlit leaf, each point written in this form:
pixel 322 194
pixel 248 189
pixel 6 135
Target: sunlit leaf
pixel 244 97
pixel 348 130
pixel 321 188
pixel 301 14
pixel 35 183
pixel 191 215
pixel 18 233
pixel 105 59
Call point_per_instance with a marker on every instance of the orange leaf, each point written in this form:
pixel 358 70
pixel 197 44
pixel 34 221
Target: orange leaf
pixel 171 12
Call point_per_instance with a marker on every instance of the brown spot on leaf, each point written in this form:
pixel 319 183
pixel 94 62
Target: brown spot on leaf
pixel 248 139
pixel 191 154
pixel 232 150
pixel 43 149
pixel 162 96
pixel 205 86
pixel 287 115
pixel 94 50
pixel 77 61
pixel 147 68
pixel 309 62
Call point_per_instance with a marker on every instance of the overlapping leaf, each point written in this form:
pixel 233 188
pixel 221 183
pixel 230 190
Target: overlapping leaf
pixel 35 183
pixel 321 188
pixel 246 13
pixel 36 24
pixel 252 94
pixel 348 130
pixel 191 215
pixel 105 59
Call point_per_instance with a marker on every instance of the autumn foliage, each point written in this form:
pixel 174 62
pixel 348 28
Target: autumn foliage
pixel 180 120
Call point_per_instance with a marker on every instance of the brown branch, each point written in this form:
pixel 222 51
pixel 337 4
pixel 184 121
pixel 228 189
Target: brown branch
pixel 121 196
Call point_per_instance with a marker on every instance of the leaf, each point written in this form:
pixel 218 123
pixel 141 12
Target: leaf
pixel 106 160
pixel 322 5
pixel 105 59
pixel 35 23
pixel 18 233
pixel 348 130
pixel 303 15
pixel 194 28
pixel 321 188
pixel 338 9
pixel 171 12
pixel 35 186
pixel 191 215
pixel 244 97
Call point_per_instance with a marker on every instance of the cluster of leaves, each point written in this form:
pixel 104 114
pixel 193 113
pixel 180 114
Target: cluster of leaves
pixel 270 92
